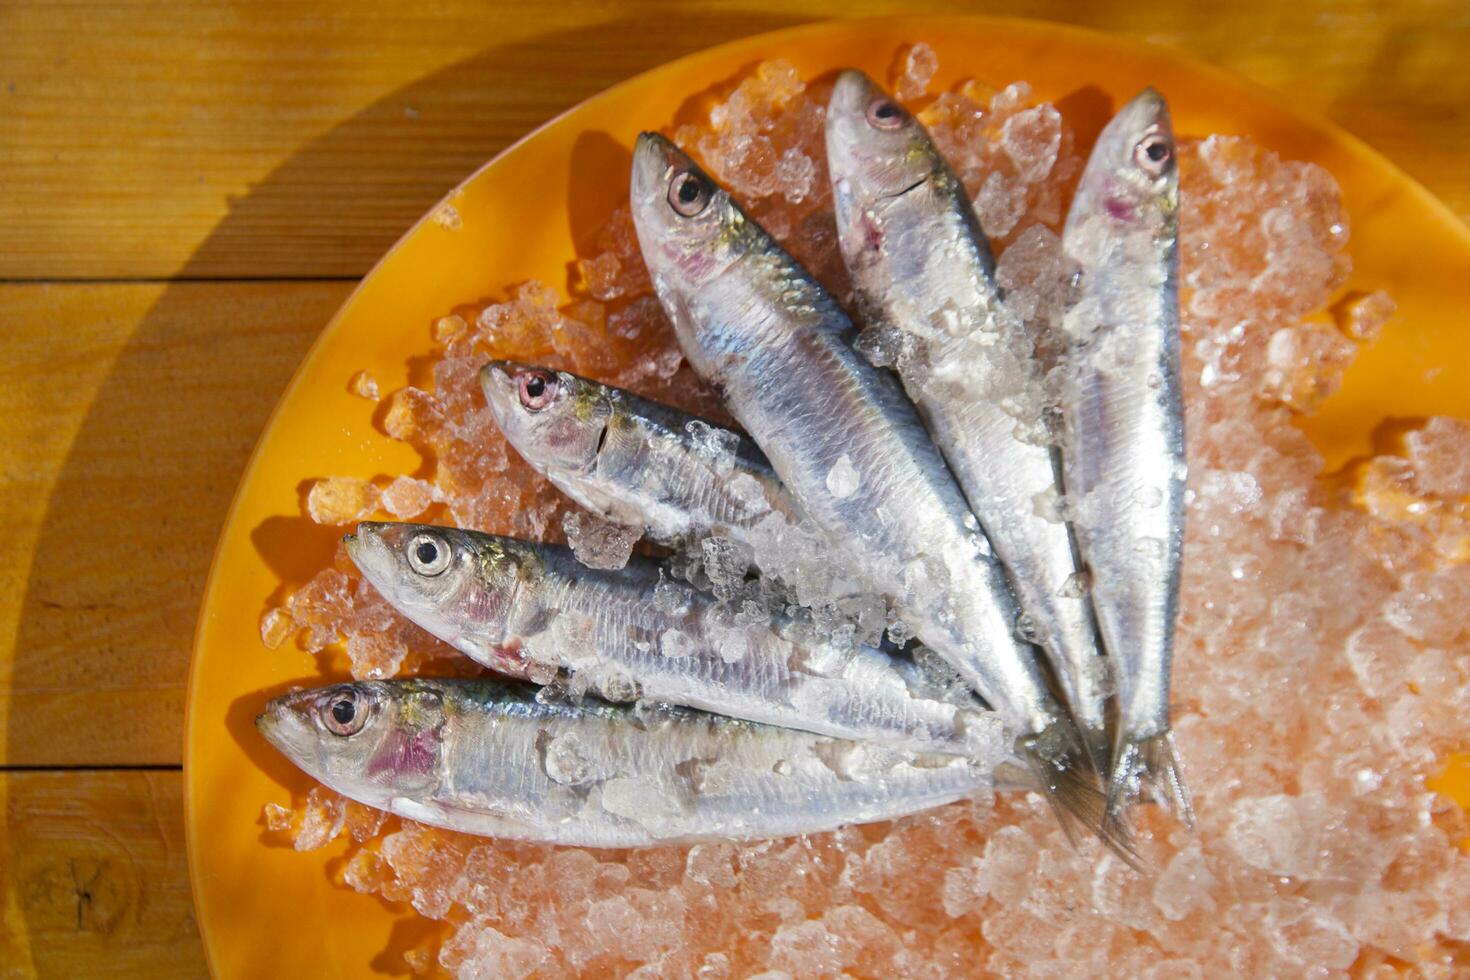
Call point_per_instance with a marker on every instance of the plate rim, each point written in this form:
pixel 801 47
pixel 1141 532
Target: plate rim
pixel 902 24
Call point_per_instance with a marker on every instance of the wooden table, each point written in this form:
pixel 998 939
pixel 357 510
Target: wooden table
pixel 187 192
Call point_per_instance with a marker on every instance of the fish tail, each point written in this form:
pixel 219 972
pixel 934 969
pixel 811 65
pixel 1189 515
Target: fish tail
pixel 1147 766
pixel 1098 745
pixel 1059 762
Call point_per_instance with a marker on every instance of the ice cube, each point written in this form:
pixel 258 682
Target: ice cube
pixel 1185 885
pixel 1277 833
pixel 363 385
pixel 276 627
pixel 406 497
pixel 597 543
pixel 375 656
pixel 725 564
pixel 478 951
pixel 567 760
pixel 277 817
pixel 676 645
pixel 1031 140
pixel 805 949
pixel 1003 871
pixel 447 216
pixel 1367 315
pixel 1000 204
pixel 842 479
pixel 916 67
pixel 600 273
pixel 448 328
pixel 715 445
pixel 321 819
pixel 341 500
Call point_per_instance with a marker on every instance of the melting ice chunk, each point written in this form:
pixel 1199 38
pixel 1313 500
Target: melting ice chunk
pixel 598 544
pixel 715 445
pixel 640 799
pixel 842 478
pixel 676 645
pixel 566 761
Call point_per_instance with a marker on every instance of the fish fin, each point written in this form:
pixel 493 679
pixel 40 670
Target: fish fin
pixel 1147 766
pixel 1067 782
pixel 1098 746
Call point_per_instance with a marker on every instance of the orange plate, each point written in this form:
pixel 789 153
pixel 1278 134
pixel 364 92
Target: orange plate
pixel 262 907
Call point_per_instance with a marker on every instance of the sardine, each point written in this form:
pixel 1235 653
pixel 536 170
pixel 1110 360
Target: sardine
pixel 632 461
pixel 486 757
pixel 1123 448
pixel 921 267
pixel 533 611
pixel 845 440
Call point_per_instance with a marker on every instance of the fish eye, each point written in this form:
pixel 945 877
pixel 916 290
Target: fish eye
pixel 342 712
pixel 537 389
pixel 884 113
pixel 1153 154
pixel 689 194
pixel 428 555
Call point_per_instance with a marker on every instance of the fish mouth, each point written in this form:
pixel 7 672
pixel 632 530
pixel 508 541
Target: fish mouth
pixel 357 540
pixel 1147 108
pixel 363 544
pixel 498 371
pixel 500 384
pixel 658 147
pixel 1150 99
pixel 269 723
pixel 497 381
pixel 655 160
pixel 851 94
pixel 285 725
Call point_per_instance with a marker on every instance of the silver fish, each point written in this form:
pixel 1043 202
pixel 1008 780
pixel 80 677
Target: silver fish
pixel 921 266
pixel 486 757
pixel 1125 467
pixel 533 611
pixel 847 443
pixel 632 461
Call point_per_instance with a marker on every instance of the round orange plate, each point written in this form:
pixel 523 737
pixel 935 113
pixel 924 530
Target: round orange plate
pixel 262 908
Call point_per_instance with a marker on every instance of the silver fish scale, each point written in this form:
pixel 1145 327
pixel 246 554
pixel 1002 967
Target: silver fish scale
pixel 1123 410
pixel 664 776
pixel 926 273
pixel 1124 404
pixel 809 399
pixel 650 461
pixel 854 693
pixel 634 462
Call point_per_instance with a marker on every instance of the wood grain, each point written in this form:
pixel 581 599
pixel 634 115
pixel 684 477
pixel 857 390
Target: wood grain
pixel 127 412
pixel 93 876
pixel 244 139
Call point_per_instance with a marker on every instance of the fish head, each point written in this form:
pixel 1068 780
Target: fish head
pixel 368 740
pixel 689 228
pixel 458 585
pixel 1132 178
pixel 876 150
pixel 556 420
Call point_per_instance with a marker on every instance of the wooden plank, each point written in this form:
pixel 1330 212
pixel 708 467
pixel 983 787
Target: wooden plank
pixel 149 138
pixel 127 412
pixel 93 876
